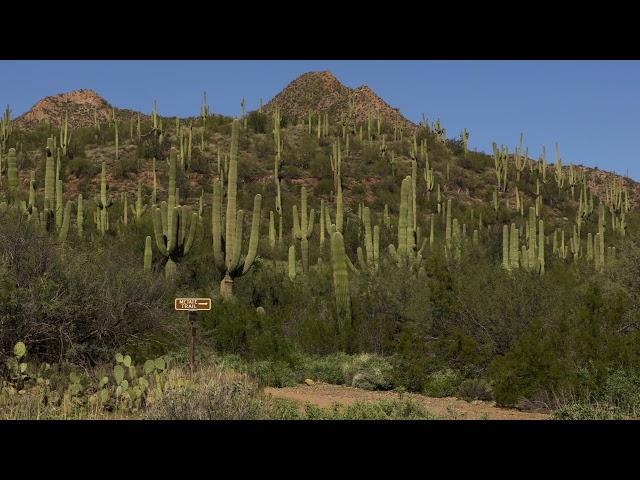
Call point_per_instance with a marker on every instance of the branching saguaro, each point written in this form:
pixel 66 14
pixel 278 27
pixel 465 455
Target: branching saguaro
pixel 227 245
pixel 174 226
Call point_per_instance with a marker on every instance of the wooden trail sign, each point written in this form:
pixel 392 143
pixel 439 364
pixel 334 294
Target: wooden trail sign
pixel 193 304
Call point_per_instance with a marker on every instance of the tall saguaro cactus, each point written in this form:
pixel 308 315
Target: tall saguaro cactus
pixel 303 228
pixel 12 174
pixel 49 179
pixel 148 254
pixel 370 261
pixel 171 222
pixel 139 208
pixel 340 281
pixel 407 254
pixel 103 202
pixel 66 220
pixel 227 246
pixel 80 216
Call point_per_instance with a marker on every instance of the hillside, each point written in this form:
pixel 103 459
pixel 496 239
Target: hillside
pixel 412 263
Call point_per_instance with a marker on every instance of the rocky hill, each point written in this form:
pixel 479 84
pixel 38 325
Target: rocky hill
pixel 83 107
pixel 322 92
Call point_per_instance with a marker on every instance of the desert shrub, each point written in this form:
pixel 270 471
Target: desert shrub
pixel 200 163
pixel 474 389
pixel 411 361
pixel 357 190
pixel 258 122
pixel 264 147
pixel 248 169
pixel 324 187
pixel 328 369
pixel 124 166
pixel 320 167
pixel 369 372
pixel 237 328
pixel 47 292
pixel 273 373
pixel 369 154
pixel 586 411
pixel 213 394
pixel 531 368
pixel 474 161
pixel 82 167
pixel 307 153
pixel 574 354
pixel 622 389
pixel 443 383
pixel 151 147
pixel 382 410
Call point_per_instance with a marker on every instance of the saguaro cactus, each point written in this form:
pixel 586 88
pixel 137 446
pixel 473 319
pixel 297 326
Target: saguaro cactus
pixel 464 138
pixel 32 193
pixel 49 179
pixel 80 216
pixel 303 228
pixel 541 240
pixel 406 254
pixel 331 227
pixel 171 222
pixel 505 247
pixel 371 243
pixel 227 247
pixel 103 202
pixel 148 254
pixel 59 204
pixel 66 220
pixel 292 262
pixel 340 281
pixel 139 208
pixel 12 174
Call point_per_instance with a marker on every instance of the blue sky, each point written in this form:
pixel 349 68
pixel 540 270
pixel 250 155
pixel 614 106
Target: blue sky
pixel 591 108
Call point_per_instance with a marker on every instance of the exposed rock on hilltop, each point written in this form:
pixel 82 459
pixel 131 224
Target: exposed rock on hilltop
pixel 82 106
pixel 322 92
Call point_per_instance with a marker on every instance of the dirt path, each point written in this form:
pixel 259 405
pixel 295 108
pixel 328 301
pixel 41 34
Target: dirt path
pixel 325 395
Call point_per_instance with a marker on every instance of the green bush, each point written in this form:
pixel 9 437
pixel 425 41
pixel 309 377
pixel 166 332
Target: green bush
pixel 382 410
pixel 258 122
pixel 475 389
pixel 124 167
pixel 622 389
pixel 82 167
pixel 443 383
pixel 369 372
pixel 582 411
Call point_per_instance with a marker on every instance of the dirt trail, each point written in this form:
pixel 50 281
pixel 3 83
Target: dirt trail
pixel 325 395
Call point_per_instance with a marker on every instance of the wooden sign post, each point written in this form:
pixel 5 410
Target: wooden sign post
pixel 192 305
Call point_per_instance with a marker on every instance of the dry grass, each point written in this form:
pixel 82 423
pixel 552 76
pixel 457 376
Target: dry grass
pixel 212 394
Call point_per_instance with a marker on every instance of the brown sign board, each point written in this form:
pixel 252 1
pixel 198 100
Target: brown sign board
pixel 193 304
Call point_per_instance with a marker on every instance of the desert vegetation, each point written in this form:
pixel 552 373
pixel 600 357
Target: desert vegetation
pixel 338 245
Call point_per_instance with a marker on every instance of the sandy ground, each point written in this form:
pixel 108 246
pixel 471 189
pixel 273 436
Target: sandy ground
pixel 325 395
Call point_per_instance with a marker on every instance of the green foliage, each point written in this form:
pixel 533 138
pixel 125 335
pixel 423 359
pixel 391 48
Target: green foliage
pixel 582 411
pixel 152 146
pixel 368 372
pixel 237 328
pixel 382 410
pixel 81 167
pixel 258 122
pixel 442 383
pixel 475 389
